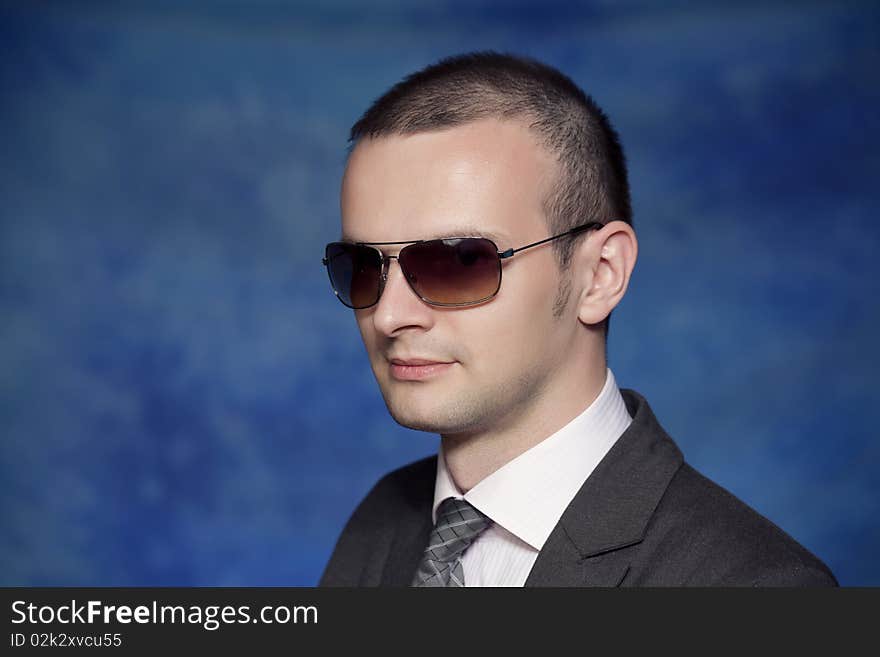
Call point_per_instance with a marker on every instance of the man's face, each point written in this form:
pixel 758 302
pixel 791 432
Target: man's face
pixel 493 176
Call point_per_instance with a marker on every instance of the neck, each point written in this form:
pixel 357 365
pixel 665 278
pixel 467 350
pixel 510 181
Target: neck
pixel 472 456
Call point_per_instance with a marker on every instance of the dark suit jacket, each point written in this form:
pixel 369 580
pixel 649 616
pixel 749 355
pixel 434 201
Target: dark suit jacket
pixel 644 517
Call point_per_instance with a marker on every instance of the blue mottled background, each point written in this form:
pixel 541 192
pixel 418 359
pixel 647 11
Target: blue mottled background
pixel 184 402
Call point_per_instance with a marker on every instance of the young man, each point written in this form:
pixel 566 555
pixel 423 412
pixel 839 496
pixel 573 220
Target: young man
pixel 486 239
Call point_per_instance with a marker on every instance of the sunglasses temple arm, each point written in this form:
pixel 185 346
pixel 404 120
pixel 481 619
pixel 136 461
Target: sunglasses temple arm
pixel 510 252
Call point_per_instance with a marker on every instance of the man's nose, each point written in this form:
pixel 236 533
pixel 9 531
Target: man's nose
pixel 399 306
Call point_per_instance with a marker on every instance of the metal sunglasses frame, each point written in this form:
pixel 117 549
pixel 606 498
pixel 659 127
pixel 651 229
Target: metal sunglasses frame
pixel 386 262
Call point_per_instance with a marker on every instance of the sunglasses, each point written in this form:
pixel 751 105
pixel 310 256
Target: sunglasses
pixel 453 271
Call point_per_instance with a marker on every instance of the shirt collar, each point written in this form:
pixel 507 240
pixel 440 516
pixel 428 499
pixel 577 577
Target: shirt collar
pixel 528 494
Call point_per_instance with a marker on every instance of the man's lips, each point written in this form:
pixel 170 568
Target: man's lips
pixel 414 369
pixel 417 361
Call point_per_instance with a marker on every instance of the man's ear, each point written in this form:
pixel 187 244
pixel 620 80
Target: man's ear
pixel 609 256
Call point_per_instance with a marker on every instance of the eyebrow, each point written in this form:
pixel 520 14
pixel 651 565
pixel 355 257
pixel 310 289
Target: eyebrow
pixel 460 231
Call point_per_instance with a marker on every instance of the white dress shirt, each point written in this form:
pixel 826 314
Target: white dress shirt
pixel 526 496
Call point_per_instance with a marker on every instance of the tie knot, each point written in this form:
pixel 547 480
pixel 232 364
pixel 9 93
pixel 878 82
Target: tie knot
pixel 458 525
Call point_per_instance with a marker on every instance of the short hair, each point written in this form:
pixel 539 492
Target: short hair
pixel 592 184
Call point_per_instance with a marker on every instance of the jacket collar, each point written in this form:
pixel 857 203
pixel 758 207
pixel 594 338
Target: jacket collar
pixel 414 525
pixel 611 510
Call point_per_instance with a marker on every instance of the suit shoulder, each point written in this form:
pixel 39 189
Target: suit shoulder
pixel 410 477
pixel 399 494
pixel 726 542
pixel 407 485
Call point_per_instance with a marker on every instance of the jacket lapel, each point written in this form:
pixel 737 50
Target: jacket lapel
pixel 413 529
pixel 595 539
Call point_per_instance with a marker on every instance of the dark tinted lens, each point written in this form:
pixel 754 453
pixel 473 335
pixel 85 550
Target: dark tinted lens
pixel 354 273
pixel 453 271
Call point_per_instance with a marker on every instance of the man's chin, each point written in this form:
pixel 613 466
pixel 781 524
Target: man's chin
pixel 450 418
pixel 407 416
pixel 425 419
pixel 417 424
